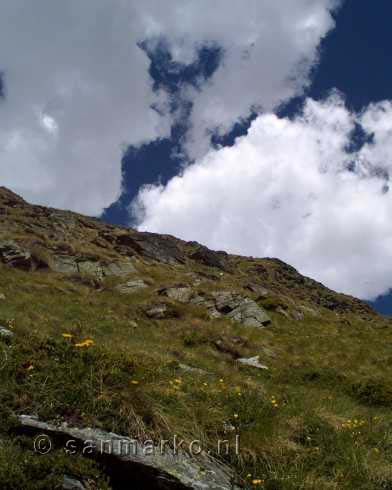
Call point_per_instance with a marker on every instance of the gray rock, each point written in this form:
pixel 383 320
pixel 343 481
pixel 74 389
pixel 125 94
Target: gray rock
pixel 131 287
pixel 64 264
pixel 177 469
pixel 67 264
pixel 5 332
pixel 208 303
pixel 158 311
pixel 226 302
pixel 233 306
pixel 14 255
pixel 211 258
pixel 72 484
pixel 182 294
pixel 91 268
pixel 240 309
pixel 250 314
pixel 160 248
pixel 253 362
pixel 118 269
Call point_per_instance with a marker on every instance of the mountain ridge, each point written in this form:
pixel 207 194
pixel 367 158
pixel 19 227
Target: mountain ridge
pixel 108 333
pixel 110 242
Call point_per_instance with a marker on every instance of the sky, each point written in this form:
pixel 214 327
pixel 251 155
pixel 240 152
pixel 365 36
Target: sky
pixel 262 128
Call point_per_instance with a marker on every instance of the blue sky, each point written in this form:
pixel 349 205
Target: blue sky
pixel 355 59
pixel 264 129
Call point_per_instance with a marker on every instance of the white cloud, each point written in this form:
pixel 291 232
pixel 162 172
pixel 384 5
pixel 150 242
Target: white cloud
pixel 284 190
pixel 78 87
pixel 270 48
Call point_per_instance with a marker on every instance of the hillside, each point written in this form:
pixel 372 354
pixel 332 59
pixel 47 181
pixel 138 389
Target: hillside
pixel 151 337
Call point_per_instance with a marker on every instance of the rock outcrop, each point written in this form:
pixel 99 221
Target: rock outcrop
pixel 15 256
pixel 136 464
pixel 131 287
pixel 235 307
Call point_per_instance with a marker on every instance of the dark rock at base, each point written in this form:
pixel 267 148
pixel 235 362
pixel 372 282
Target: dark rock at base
pixel 136 465
pixel 72 484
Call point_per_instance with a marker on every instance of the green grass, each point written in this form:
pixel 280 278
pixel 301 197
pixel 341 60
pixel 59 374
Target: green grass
pixel 293 420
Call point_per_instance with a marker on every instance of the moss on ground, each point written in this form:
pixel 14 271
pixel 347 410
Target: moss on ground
pixel 319 418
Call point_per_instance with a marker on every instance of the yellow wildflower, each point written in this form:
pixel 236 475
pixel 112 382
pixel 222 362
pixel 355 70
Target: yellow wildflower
pixel 85 343
pixel 67 335
pixel 134 382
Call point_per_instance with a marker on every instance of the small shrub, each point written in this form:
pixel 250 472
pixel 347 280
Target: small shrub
pixel 372 392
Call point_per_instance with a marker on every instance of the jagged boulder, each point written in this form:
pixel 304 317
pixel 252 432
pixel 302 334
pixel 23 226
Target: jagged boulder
pixel 233 306
pixel 160 248
pixel 211 258
pixel 207 302
pixel 240 309
pixel 249 314
pixel 139 465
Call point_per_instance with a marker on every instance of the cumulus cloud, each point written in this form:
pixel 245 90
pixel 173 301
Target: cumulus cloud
pixel 269 51
pixel 78 89
pixel 292 189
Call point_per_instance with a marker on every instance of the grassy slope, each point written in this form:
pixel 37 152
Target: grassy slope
pixel 329 428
